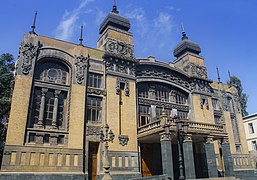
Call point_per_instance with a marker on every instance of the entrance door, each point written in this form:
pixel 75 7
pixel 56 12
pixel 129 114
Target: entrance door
pixel 92 161
pixel 151 159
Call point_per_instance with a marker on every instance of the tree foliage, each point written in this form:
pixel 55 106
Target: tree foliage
pixel 6 84
pixel 243 98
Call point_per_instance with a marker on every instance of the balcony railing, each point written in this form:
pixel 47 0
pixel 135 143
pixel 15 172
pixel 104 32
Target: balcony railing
pixel 193 126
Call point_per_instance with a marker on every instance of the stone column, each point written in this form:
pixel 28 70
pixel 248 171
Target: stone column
pixel 189 157
pixel 42 108
pixel 228 160
pixel 166 152
pixel 211 158
pixel 55 110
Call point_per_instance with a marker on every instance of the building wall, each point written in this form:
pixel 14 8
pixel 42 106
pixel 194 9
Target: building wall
pixel 250 135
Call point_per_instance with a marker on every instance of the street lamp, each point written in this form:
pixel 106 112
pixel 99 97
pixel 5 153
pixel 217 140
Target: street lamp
pixel 105 137
pixel 182 128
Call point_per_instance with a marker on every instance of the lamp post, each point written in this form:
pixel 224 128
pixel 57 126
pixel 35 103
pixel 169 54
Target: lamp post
pixel 106 136
pixel 182 128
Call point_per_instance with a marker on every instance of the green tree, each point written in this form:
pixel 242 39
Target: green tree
pixel 6 84
pixel 243 98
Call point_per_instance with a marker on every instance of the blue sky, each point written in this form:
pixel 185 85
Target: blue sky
pixel 225 30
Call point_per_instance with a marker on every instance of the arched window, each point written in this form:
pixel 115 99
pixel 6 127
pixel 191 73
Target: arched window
pixel 50 100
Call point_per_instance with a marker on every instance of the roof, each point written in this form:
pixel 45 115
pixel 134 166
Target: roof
pixel 115 20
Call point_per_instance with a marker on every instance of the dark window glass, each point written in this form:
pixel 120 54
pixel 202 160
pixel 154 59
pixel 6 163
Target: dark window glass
pixel 32 137
pixel 144 114
pixel 60 139
pixel 95 80
pixel 52 72
pixel 94 108
pixel 46 138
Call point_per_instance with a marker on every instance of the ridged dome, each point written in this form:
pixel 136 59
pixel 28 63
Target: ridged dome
pixel 186 46
pixel 115 20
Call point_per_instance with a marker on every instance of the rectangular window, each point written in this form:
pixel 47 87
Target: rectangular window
pixel 32 137
pixel 143 91
pixel 46 138
pixel 94 109
pixel 254 145
pixel 238 148
pixel 251 129
pixel 144 114
pixel 60 139
pixel 95 80
pixel 215 104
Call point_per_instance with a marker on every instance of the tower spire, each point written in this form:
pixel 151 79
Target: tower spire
pixel 81 36
pixel 114 7
pixel 184 36
pixel 34 24
pixel 229 78
pixel 218 75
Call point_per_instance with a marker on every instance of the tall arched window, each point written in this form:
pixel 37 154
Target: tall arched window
pixel 50 100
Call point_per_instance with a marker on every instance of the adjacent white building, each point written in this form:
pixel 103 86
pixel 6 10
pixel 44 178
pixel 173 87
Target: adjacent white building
pixel 250 123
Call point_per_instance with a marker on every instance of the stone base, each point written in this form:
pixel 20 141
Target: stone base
pixel 41 176
pixel 246 174
pixel 122 176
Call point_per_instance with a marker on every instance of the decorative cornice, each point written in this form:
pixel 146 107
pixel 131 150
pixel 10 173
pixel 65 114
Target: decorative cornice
pixel 95 91
pixel 167 105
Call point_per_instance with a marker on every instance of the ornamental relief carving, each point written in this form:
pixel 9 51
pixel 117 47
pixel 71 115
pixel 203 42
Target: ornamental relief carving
pixel 120 48
pixel 195 70
pixel 120 66
pixel 123 140
pixel 150 102
pixel 94 91
pixel 156 73
pixel 194 85
pixel 93 130
pixel 126 85
pixel 81 64
pixel 27 53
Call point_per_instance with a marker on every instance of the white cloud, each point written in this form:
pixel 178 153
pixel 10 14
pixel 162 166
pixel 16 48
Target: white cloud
pixel 164 22
pixel 138 14
pixel 99 16
pixel 173 8
pixel 66 27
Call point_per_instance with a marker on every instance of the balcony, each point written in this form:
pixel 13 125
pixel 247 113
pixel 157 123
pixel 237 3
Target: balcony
pixel 194 128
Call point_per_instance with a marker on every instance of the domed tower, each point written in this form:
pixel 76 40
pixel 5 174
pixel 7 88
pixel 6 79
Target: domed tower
pixel 188 58
pixel 119 67
pixel 114 35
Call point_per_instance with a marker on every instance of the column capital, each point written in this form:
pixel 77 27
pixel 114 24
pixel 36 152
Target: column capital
pixel 57 93
pixel 188 138
pixel 44 90
pixel 209 139
pixel 165 136
pixel 225 140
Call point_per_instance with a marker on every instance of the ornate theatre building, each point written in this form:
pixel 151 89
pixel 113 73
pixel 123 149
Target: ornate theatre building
pixel 66 93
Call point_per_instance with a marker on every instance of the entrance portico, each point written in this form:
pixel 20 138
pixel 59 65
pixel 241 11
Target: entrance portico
pixel 199 155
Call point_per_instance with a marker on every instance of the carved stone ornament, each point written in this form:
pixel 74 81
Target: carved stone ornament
pixel 225 141
pixel 126 67
pixel 126 85
pixel 149 102
pixel 194 85
pixel 196 70
pixel 80 64
pixel 94 91
pixel 187 138
pixel 93 130
pixel 28 52
pixel 123 140
pixel 120 48
pixel 165 136
pixel 209 140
